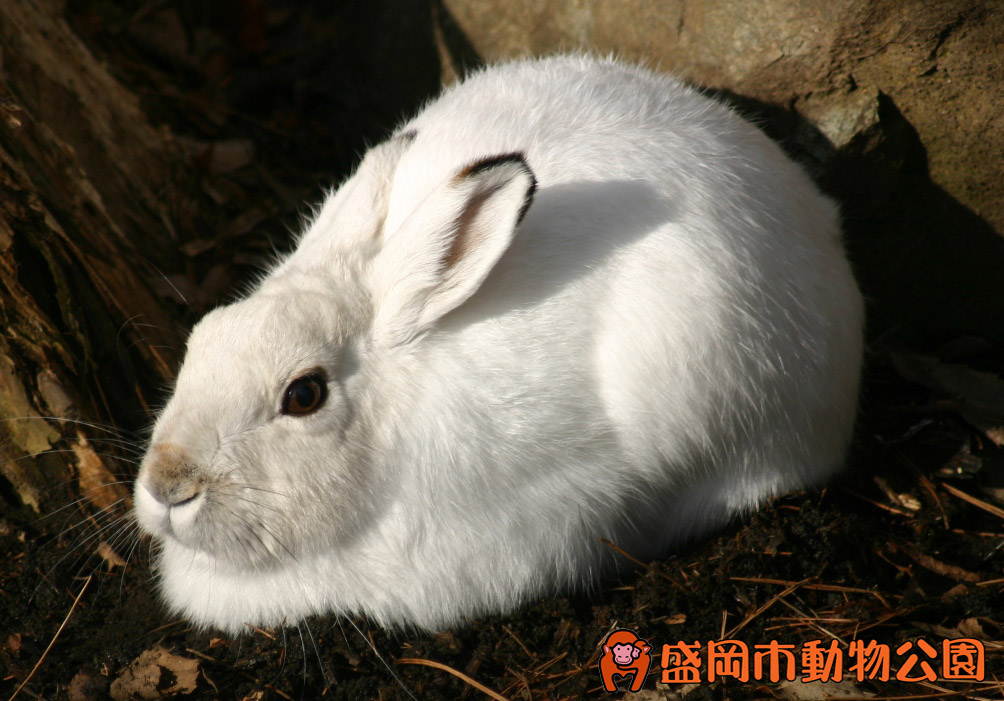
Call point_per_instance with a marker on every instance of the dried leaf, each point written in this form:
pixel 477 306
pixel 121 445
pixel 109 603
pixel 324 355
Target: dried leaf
pixel 995 433
pixel 955 591
pixel 971 628
pixel 111 558
pixel 97 484
pixel 156 674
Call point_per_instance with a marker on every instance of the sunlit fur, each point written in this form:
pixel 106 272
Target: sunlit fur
pixel 671 335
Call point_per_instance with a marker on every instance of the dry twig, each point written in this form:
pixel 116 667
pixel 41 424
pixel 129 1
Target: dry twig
pixel 458 674
pixel 934 565
pixel 979 503
pixel 760 609
pixel 817 587
pixel 54 637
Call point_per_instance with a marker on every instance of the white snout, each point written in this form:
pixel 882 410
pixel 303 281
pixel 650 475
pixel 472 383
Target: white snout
pixel 163 519
pixel 181 516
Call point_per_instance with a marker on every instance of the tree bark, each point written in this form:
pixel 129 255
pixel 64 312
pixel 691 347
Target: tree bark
pixel 83 181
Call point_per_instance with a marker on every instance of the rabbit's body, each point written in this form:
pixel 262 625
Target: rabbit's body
pixel 665 333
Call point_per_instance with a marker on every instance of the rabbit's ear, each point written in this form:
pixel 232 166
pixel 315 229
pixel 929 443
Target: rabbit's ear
pixel 447 246
pixel 352 218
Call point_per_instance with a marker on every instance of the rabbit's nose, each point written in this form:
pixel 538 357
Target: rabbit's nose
pixel 170 475
pixel 176 495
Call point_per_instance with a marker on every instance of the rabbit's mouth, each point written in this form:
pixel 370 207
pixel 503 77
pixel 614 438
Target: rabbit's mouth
pixel 205 523
pixel 168 518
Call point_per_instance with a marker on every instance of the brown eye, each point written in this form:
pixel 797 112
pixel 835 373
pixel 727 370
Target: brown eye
pixel 305 395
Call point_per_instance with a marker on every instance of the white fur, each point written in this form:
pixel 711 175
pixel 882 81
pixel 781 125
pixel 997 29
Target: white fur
pixel 671 335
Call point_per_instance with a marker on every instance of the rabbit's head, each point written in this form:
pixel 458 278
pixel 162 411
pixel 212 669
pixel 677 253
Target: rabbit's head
pixel 264 452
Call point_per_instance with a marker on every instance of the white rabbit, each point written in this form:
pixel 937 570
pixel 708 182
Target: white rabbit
pixel 570 300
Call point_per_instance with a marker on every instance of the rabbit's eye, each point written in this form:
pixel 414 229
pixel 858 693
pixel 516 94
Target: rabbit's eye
pixel 305 395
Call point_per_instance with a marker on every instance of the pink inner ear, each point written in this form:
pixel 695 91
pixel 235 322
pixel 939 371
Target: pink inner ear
pixel 606 649
pixel 635 652
pixel 467 238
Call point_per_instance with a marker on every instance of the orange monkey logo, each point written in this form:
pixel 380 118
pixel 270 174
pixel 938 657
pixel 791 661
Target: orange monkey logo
pixel 624 654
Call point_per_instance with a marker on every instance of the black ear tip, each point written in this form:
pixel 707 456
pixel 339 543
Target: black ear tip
pixel 477 167
pixel 516 159
pixel 528 199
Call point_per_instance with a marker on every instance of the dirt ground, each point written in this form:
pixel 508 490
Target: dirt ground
pixel 907 544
